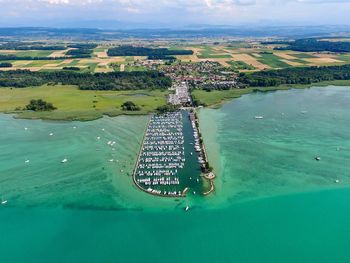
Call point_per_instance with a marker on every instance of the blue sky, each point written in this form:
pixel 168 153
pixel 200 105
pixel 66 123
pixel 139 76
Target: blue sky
pixel 174 12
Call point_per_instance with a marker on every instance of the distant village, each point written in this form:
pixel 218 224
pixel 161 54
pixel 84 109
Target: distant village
pixel 206 75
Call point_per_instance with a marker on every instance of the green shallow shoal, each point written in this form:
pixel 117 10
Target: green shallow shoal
pixel 89 180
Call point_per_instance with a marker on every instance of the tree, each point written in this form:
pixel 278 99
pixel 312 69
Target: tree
pixel 167 108
pixel 130 106
pixel 40 105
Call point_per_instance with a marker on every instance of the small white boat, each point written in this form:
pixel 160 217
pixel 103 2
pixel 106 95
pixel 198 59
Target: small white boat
pixel 187 208
pixel 25 129
pixel 98 138
pixel 51 134
pixel 318 158
pixel 103 129
pixel 4 202
pixel 337 181
pixel 26 161
pixel 64 160
pixel 191 153
pixel 74 127
pixel 111 160
pixel 259 117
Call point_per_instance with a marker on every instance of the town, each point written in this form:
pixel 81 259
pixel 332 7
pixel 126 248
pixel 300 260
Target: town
pixel 209 75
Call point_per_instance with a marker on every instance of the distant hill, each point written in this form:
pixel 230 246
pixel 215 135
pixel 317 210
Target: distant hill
pixel 185 32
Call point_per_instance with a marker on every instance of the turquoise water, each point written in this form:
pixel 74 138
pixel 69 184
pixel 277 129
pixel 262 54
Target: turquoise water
pixel 274 202
pixel 276 155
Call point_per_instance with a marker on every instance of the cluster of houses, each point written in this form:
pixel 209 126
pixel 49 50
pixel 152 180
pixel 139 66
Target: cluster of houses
pixel 181 95
pixel 205 74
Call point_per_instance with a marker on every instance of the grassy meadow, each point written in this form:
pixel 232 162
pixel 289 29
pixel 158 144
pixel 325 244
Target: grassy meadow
pixel 75 104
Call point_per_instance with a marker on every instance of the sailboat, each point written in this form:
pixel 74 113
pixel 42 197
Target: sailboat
pixel 3 202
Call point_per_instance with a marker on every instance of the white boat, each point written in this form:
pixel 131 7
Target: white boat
pixel 26 161
pixel 4 202
pixel 259 117
pixel 318 158
pixel 51 134
pixel 337 181
pixel 187 208
pixel 64 160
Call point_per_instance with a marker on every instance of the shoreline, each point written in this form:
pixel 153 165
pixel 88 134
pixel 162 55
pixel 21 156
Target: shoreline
pixel 250 90
pixel 217 104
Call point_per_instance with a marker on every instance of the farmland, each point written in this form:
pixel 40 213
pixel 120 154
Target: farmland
pixel 241 55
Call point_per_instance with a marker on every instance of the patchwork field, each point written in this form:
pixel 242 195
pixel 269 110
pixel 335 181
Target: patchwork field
pixel 241 56
pixel 258 57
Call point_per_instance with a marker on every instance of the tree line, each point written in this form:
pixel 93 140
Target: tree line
pixel 5 65
pixel 14 57
pixel 144 51
pixel 316 45
pixel 30 46
pixel 86 81
pixel 302 75
pixel 80 50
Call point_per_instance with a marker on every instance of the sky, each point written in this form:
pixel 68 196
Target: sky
pixel 172 13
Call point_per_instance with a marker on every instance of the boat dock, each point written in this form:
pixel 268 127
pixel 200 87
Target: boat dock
pixel 162 156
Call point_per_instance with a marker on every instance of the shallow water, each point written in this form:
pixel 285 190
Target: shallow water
pixel 276 155
pixel 274 202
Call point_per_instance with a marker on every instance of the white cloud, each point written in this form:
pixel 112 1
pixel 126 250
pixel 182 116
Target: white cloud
pixel 180 11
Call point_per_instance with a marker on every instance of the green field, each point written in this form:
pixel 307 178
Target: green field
pixel 240 65
pixel 30 53
pixel 302 55
pixel 40 63
pixel 272 60
pixel 344 57
pixel 208 52
pixel 74 104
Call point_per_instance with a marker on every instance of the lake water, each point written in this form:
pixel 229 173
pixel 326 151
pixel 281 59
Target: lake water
pixel 274 202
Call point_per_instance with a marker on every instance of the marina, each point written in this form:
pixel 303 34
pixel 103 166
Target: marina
pixel 171 160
